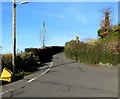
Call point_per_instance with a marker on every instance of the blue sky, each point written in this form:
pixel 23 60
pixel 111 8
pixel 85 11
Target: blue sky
pixel 62 20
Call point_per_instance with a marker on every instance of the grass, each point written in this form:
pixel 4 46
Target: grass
pixel 93 41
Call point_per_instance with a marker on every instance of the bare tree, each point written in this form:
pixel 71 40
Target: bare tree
pixel 43 34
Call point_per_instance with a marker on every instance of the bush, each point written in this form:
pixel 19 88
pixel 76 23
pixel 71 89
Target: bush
pixel 90 54
pixel 30 62
pixel 24 62
pixel 31 59
pixel 45 53
pixel 7 61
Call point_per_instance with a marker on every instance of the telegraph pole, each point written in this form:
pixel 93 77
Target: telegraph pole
pixel 13 34
pixel 14 5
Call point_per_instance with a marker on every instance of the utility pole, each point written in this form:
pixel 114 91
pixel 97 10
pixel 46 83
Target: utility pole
pixel 14 5
pixel 14 34
pixel 43 34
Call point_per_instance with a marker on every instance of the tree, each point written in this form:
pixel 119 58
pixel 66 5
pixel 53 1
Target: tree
pixel 116 30
pixel 43 34
pixel 106 27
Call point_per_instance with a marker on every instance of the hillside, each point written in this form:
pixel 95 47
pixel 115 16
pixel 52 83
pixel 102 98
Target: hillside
pixel 109 43
pixel 104 50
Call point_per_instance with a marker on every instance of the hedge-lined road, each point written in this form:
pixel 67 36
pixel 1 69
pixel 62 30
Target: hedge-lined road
pixel 66 78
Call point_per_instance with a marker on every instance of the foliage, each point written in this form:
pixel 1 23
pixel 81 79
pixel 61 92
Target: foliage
pixel 7 61
pixel 45 53
pixel 99 32
pixel 90 54
pixel 24 62
pixel 74 41
pixel 22 73
pixel 30 60
pixel 106 28
pixel 116 30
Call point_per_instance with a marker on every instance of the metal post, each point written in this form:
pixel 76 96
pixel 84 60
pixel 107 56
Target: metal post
pixel 14 34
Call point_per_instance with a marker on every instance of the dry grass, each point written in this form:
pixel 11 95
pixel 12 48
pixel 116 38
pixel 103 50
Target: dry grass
pixel 93 41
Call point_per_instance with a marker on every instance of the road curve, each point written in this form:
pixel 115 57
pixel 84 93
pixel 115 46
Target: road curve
pixel 65 78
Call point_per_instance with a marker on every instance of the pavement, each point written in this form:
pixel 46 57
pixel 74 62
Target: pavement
pixel 65 78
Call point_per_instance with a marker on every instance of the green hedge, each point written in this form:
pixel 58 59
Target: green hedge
pixel 31 59
pixel 45 53
pixel 26 62
pixel 90 54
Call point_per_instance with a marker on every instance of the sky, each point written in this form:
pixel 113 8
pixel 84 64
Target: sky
pixel 62 20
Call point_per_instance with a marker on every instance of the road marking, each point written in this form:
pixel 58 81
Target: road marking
pixel 6 91
pixel 51 63
pixel 32 78
pixel 54 55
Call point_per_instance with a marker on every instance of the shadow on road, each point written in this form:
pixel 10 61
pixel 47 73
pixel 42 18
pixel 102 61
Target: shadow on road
pixel 58 65
pixel 16 78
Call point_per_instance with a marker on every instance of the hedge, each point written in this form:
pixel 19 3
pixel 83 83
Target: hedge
pixel 45 53
pixel 90 54
pixel 26 62
pixel 31 59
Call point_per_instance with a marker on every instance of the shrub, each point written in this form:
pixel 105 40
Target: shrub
pixel 30 62
pixel 31 59
pixel 45 53
pixel 7 61
pixel 24 62
pixel 90 54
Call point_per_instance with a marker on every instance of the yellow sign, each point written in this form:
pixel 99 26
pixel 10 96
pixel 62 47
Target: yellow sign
pixel 6 75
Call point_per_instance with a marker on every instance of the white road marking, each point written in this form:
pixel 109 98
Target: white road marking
pixel 6 91
pixel 54 55
pixel 51 64
pixel 32 78
pixel 41 74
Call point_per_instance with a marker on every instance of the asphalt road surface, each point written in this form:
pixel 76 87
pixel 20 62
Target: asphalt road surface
pixel 66 78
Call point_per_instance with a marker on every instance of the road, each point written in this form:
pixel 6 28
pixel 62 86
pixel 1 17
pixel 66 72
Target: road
pixel 66 78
